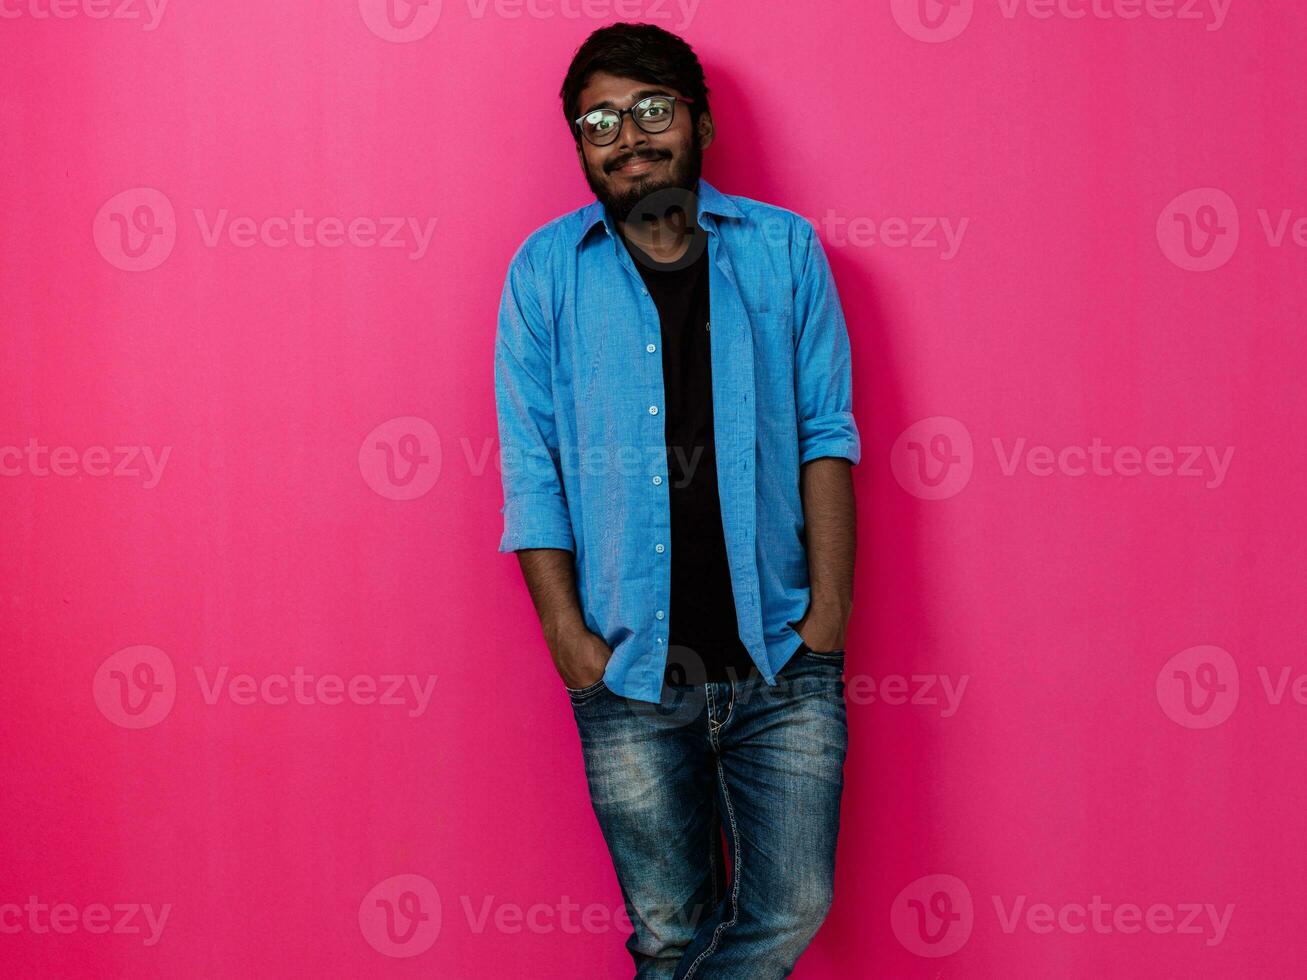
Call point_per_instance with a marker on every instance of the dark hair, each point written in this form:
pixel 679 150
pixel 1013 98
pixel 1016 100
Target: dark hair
pixel 644 52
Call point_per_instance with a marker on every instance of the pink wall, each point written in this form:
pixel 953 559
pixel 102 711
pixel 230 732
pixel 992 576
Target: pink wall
pixel 236 453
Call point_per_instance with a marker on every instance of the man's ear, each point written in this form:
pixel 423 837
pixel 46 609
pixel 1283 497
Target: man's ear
pixel 706 132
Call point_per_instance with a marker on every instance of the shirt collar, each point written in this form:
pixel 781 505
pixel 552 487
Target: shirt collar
pixel 712 202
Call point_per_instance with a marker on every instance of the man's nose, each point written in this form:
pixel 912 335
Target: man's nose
pixel 630 135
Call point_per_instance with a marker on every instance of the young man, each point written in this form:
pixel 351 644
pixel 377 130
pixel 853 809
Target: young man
pixel 673 387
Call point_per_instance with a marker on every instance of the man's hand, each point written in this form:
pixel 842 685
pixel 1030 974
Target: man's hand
pixel 826 486
pixel 580 656
pixel 825 628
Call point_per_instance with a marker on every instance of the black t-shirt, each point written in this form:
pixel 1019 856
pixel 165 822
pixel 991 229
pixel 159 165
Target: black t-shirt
pixel 703 624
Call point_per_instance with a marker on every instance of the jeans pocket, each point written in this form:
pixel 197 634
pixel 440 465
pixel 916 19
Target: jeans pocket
pixel 584 693
pixel 824 656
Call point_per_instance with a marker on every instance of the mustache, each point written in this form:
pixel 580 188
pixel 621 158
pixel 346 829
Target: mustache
pixel 612 165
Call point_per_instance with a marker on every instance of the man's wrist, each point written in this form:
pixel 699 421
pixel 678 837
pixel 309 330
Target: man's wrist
pixel 562 630
pixel 830 609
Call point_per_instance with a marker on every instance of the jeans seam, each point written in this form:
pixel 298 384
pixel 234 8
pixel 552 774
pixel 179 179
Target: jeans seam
pixel 712 728
pixel 584 693
pixel 730 707
pixel 737 873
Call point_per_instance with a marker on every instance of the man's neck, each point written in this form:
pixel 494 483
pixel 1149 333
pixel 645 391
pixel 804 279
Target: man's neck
pixel 662 241
pixel 666 238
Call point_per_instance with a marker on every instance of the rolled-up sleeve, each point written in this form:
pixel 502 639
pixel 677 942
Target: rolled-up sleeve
pixel 535 506
pixel 823 376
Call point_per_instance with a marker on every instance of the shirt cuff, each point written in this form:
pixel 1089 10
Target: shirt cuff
pixel 829 435
pixel 536 520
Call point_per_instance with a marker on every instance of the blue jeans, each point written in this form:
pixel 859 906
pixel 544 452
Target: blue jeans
pixel 766 764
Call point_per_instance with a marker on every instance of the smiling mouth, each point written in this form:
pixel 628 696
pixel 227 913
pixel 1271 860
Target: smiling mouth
pixel 637 166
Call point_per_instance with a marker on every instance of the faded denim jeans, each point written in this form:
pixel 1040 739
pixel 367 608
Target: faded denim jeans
pixel 766 764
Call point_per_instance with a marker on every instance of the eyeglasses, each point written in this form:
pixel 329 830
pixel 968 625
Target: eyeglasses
pixel 653 115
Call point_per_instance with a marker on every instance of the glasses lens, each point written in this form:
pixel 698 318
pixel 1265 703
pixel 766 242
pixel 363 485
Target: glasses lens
pixel 654 114
pixel 601 126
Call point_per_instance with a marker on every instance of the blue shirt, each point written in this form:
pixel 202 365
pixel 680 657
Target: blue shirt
pixel 579 397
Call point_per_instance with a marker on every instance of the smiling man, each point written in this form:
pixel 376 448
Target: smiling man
pixel 673 388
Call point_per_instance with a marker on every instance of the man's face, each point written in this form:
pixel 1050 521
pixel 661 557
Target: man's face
pixel 638 164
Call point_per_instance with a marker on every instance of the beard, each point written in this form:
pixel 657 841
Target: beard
pixel 683 174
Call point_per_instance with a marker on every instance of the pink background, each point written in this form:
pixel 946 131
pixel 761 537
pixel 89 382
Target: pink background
pixel 286 381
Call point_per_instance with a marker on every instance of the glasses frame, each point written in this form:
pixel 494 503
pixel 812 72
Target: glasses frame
pixel 673 99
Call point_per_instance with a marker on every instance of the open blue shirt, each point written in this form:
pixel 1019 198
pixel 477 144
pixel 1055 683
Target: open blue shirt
pixel 579 397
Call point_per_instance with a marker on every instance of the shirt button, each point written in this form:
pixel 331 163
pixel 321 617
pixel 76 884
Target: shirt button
pixel 659 614
pixel 650 348
pixel 653 409
pixel 659 548
pixel 658 481
pixel 645 292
